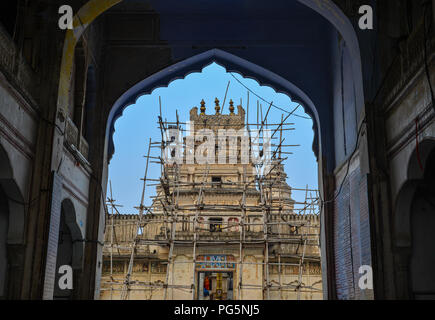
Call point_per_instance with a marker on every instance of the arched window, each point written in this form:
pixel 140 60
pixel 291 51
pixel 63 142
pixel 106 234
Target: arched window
pixel 69 250
pixel 12 221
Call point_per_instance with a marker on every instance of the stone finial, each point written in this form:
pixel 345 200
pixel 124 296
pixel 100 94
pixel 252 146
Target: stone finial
pixel 217 107
pixel 231 106
pixel 202 106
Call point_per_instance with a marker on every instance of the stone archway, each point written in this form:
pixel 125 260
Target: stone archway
pixel 4 225
pixel 11 229
pixel 422 258
pixel 334 156
pixel 414 225
pixel 69 251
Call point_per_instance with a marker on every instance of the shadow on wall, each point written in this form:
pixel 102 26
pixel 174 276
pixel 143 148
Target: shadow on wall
pixel 414 224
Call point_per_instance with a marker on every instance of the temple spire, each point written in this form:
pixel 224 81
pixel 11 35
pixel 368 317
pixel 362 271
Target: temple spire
pixel 202 106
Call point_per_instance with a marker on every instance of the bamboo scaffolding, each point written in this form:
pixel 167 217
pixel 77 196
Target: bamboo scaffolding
pixel 166 210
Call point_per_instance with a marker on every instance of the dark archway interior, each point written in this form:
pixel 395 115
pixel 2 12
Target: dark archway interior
pixel 64 256
pixel 12 221
pixel 423 235
pixel 69 250
pixel 4 224
pixel 8 14
pixel 5 177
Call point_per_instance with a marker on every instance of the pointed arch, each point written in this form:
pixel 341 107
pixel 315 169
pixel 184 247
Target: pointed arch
pixel 69 213
pixel 415 176
pixel 15 199
pixel 198 62
pixel 12 222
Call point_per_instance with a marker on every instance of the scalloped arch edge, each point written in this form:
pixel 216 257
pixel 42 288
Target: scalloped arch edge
pixel 195 64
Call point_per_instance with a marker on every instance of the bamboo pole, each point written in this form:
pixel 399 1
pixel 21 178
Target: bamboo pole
pixel 199 207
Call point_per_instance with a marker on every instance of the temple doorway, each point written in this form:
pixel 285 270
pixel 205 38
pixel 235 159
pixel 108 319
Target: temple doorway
pixel 215 285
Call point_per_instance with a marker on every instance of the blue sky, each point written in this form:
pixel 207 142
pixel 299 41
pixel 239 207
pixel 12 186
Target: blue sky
pixel 139 123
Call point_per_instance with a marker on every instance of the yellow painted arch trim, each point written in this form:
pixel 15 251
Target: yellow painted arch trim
pixel 82 19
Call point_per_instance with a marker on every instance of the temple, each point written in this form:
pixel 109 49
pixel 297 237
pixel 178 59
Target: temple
pixel 221 230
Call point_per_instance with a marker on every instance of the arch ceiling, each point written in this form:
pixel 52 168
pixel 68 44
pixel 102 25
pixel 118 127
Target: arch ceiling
pixel 70 217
